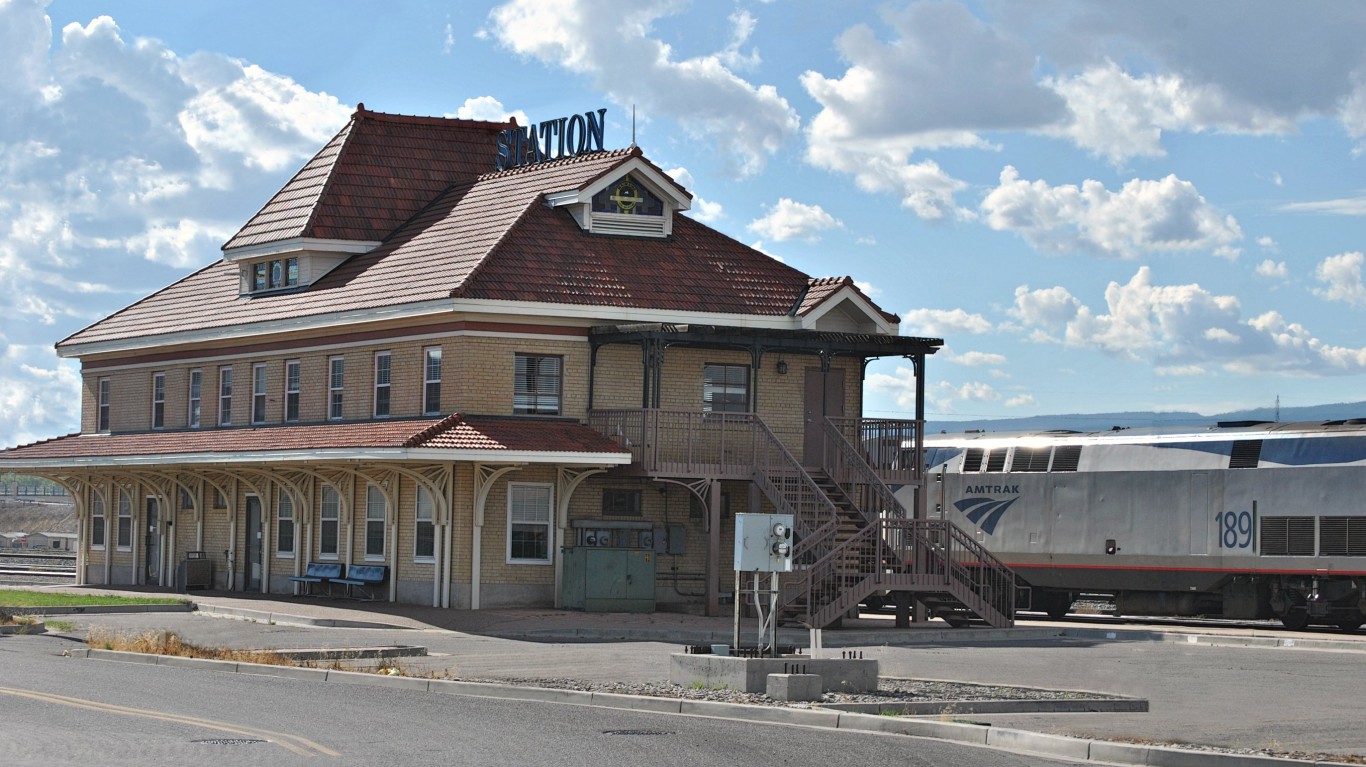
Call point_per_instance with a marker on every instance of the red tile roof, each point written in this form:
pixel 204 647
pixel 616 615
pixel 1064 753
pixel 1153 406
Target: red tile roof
pixel 822 288
pixel 448 232
pixel 454 432
pixel 372 176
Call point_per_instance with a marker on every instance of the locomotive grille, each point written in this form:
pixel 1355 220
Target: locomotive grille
pixel 1288 536
pixel 1066 457
pixel 1342 536
pixel 1246 454
pixel 1031 459
pixel 972 461
pixel 996 460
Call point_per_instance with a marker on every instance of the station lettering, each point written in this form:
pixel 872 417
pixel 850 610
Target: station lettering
pixel 551 140
pixel 994 489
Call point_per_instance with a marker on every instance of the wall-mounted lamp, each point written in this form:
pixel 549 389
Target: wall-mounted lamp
pixel 782 367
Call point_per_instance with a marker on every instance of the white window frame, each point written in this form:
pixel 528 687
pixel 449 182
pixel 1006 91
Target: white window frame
pixel 159 400
pixel 195 396
pixel 336 387
pixel 285 519
pixel 329 513
pixel 514 490
pixel 376 514
pixel 125 523
pixel 97 513
pixel 384 377
pixel 258 393
pixel 102 387
pixel 293 390
pixel 424 515
pixel 431 377
pixel 225 396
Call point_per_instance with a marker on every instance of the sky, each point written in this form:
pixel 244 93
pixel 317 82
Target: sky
pixel 1098 206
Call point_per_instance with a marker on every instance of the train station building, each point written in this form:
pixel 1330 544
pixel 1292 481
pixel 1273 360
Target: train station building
pixel 503 365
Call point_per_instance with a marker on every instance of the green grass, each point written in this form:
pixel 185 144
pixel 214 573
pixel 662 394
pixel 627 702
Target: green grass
pixel 21 598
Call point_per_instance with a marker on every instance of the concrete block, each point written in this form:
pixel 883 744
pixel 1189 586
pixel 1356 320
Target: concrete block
pixel 637 702
pixel 751 674
pixel 285 672
pixel 1177 757
pixel 126 657
pixel 379 680
pixel 1118 753
pixel 922 728
pixel 1038 743
pixel 793 687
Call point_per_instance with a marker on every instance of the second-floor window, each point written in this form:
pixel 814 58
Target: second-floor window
pixel 431 380
pixel 725 388
pixel 258 393
pixel 537 388
pixel 195 395
pixel 382 379
pixel 102 404
pixel 225 396
pixel 158 400
pixel 292 389
pixel 336 379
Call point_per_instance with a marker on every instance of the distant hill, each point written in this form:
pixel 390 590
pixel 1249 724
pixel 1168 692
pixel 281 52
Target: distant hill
pixel 17 517
pixel 1135 419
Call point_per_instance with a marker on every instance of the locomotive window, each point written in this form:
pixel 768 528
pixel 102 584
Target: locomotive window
pixel 1246 454
pixel 1031 459
pixel 996 460
pixel 1288 536
pixel 1066 457
pixel 1342 536
pixel 972 461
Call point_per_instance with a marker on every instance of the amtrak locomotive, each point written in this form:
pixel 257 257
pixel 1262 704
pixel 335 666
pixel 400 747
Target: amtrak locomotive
pixel 1242 520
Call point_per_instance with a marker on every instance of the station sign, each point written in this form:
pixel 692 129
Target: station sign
pixel 550 140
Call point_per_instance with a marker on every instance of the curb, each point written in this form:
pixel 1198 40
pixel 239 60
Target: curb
pixel 1005 739
pixel 287 619
pixel 24 629
pixel 169 607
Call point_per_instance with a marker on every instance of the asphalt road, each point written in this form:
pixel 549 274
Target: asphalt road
pixel 60 711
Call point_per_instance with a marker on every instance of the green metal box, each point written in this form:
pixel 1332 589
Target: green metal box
pixel 609 580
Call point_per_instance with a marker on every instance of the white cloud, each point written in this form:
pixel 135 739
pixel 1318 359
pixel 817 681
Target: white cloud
pixel 1183 329
pixel 489 109
pixel 1119 116
pixel 124 163
pixel 938 323
pixel 868 288
pixel 977 359
pixel 1049 308
pixel 1144 216
pixel 703 210
pixel 1021 400
pixel 612 45
pixel 1347 206
pixel 1272 269
pixel 1266 242
pixel 790 220
pixel 1342 275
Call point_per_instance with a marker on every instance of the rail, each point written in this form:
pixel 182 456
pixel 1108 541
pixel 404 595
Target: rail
pixel 888 445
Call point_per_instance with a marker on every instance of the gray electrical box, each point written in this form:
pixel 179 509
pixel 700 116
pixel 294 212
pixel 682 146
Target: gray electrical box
pixel 763 543
pixel 598 579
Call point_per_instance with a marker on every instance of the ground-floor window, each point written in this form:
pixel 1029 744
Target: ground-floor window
pixel 125 531
pixel 375 508
pixel 529 515
pixel 424 542
pixel 97 522
pixel 284 526
pixel 329 522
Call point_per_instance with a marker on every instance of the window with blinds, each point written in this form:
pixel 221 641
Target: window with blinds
pixel 725 388
pixel 528 523
pixel 536 390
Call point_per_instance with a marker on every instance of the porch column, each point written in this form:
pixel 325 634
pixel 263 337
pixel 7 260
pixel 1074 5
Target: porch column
pixel 714 549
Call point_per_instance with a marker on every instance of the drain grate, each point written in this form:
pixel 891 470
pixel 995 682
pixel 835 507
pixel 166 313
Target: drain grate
pixel 637 732
pixel 228 741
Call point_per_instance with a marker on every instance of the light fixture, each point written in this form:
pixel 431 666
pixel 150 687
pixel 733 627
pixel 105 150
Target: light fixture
pixel 782 367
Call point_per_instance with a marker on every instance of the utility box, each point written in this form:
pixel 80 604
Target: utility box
pixel 763 543
pixel 194 572
pixel 600 579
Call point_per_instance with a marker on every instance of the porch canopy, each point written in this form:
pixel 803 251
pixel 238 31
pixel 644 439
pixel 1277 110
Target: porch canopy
pixel 654 338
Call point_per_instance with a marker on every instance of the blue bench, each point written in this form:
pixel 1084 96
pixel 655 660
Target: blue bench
pixel 319 572
pixel 363 579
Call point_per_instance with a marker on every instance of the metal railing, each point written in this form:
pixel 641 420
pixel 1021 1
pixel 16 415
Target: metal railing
pixel 888 445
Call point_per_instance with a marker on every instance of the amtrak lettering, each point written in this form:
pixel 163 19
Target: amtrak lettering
pixel 983 489
pixel 551 140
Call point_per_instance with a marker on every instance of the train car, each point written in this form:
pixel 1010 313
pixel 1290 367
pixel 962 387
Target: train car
pixel 1245 520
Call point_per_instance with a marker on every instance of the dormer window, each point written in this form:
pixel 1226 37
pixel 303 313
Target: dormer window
pixel 627 197
pixel 274 274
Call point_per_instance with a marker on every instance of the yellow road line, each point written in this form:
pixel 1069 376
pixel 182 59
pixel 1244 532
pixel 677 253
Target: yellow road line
pixel 294 743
